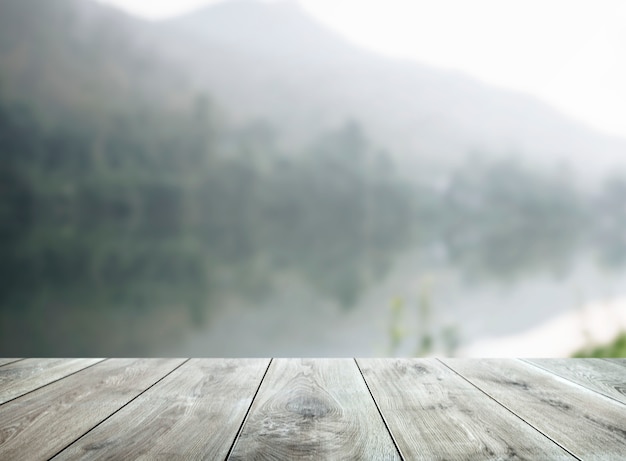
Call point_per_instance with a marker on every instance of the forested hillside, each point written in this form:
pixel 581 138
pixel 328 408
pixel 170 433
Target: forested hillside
pixel 81 60
pixel 156 212
pixel 163 213
pixel 273 60
pixel 133 199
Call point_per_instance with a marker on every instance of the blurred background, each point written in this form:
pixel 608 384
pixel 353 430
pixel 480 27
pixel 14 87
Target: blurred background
pixel 312 178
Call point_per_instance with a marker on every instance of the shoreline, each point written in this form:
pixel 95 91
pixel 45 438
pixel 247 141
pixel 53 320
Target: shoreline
pixel 594 324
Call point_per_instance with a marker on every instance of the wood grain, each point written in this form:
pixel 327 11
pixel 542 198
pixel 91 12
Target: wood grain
pixel 194 413
pixel 587 424
pixel 7 361
pixel 314 409
pixel 39 424
pixel 18 378
pixel 435 414
pixel 598 375
pixel 618 361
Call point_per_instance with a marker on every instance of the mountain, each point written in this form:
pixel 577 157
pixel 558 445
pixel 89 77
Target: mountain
pixel 80 58
pixel 272 60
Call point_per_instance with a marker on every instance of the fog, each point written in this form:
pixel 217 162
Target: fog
pixel 243 180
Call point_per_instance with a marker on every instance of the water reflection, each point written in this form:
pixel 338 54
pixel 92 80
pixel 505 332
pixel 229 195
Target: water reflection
pixel 104 255
pixel 140 217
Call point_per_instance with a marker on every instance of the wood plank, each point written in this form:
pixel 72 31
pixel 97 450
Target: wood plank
pixel 24 376
pixel 587 424
pixel 40 424
pixel 598 375
pixel 314 409
pixel 7 361
pixel 194 413
pixel 435 414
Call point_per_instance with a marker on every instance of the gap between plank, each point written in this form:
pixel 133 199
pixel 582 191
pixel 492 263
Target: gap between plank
pixel 9 363
pixel 245 417
pixel 508 409
pixel 595 391
pixel 119 409
pixel 393 439
pixel 52 382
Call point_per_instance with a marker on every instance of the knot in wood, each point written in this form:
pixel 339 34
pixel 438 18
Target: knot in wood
pixel 309 406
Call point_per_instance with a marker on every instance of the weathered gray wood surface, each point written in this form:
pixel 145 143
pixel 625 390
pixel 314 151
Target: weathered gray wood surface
pixel 193 413
pixel 584 422
pixel 6 361
pixel 618 361
pixel 596 374
pixel 39 424
pixel 312 409
pixel 18 378
pixel 435 414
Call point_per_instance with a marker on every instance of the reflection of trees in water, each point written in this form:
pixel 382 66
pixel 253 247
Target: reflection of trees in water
pixel 610 222
pixel 503 220
pixel 138 214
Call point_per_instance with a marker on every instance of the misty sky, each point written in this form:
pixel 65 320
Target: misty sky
pixel 570 53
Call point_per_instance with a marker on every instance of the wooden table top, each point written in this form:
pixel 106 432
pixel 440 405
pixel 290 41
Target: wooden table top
pixel 247 409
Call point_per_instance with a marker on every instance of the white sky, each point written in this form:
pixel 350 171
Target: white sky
pixel 570 53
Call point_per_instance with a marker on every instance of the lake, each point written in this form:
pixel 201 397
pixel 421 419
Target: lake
pixel 295 322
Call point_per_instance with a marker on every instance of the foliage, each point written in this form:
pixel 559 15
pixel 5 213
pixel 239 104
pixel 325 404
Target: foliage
pixel 123 196
pixel 505 219
pixel 425 338
pixel 616 348
pixel 142 211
